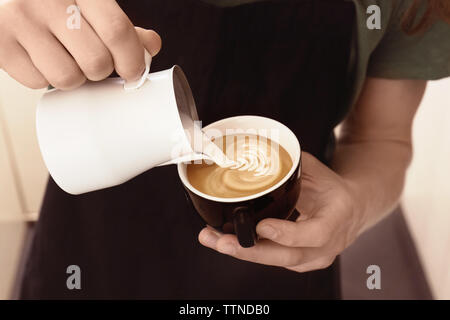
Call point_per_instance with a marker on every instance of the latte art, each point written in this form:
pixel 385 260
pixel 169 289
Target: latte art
pixel 255 156
pixel 253 164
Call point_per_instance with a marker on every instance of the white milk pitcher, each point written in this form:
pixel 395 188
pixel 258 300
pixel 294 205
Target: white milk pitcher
pixel 105 133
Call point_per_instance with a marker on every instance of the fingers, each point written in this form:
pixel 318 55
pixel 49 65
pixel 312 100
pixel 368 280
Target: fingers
pixel 63 56
pixel 264 251
pixel 150 39
pixel 118 34
pixel 314 232
pixel 317 264
pixel 307 244
pixel 51 58
pixel 312 164
pixel 20 67
pixel 89 52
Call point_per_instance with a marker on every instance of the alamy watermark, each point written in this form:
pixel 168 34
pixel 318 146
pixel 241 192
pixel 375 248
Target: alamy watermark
pixel 374 20
pixel 374 280
pixel 74 20
pixel 73 281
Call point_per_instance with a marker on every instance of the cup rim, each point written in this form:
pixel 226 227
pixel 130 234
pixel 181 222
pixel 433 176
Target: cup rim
pixel 295 163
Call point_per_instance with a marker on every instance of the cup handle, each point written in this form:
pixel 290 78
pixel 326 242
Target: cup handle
pixel 244 227
pixel 133 85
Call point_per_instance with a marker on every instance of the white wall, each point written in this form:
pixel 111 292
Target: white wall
pixel 17 123
pixel 22 174
pixel 426 199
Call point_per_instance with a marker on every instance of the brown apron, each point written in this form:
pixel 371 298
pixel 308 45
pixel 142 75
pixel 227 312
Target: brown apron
pixel 286 60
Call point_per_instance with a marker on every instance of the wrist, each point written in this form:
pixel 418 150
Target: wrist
pixel 359 205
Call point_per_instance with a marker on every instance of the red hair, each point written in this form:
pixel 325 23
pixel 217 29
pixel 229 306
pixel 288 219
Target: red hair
pixel 436 9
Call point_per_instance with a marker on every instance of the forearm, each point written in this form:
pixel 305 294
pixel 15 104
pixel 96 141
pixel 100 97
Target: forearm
pixel 375 170
pixel 374 147
pixel 369 167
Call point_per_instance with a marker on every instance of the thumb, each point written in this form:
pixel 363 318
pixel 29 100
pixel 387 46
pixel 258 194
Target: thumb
pixel 313 169
pixel 312 163
pixel 150 39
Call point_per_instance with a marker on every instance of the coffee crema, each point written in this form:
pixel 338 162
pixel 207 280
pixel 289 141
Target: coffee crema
pixel 257 163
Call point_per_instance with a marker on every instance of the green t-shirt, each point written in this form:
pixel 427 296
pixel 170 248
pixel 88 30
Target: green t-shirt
pixel 389 52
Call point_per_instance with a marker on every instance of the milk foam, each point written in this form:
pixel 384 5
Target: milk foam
pixel 249 165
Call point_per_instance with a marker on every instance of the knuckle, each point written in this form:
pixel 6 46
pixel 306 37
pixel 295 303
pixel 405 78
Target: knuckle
pixel 306 156
pixel 321 240
pixel 155 41
pixel 155 35
pixel 292 259
pixel 38 84
pixel 17 12
pixel 340 246
pixel 68 81
pixel 323 236
pixel 14 8
pixel 343 201
pixel 286 260
pixel 99 67
pixel 325 263
pixel 296 259
pixel 117 31
pixel 290 241
pixel 9 12
pixel 287 235
pixel 132 71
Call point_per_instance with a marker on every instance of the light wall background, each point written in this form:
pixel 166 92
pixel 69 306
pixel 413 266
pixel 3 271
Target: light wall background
pixel 426 199
pixel 22 175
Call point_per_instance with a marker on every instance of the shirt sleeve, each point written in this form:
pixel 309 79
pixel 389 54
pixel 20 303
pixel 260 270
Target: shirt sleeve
pixel 400 56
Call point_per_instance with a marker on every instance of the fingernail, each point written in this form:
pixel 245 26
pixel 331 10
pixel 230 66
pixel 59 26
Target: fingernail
pixel 210 238
pixel 267 231
pixel 227 248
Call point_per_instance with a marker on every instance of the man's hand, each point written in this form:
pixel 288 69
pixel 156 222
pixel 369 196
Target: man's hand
pixel 37 48
pixel 328 223
pixel 370 162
